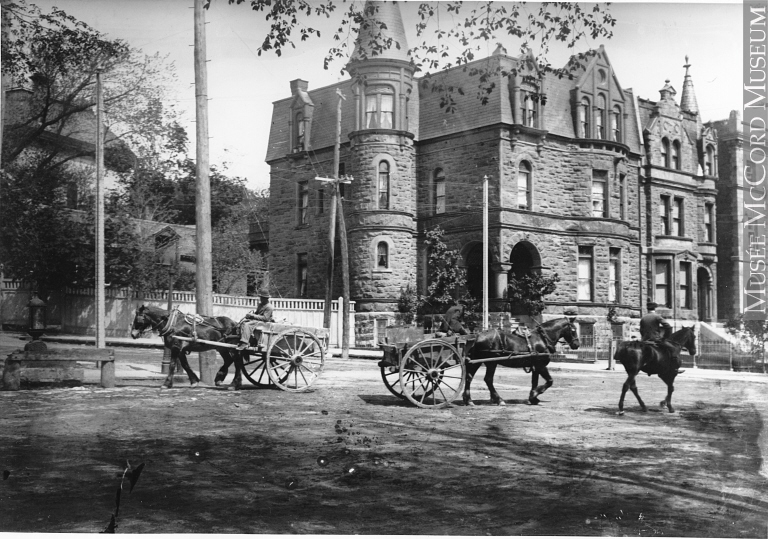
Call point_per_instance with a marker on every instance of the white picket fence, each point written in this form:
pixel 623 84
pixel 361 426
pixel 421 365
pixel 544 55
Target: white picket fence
pixel 74 311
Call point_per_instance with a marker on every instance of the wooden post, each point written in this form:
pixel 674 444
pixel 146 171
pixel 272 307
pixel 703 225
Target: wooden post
pixel 100 278
pixel 611 365
pixel 332 224
pixel 344 281
pixel 485 252
pixel 108 370
pixel 204 268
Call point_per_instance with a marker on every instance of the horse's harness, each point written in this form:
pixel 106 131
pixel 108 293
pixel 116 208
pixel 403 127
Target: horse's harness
pixel 193 320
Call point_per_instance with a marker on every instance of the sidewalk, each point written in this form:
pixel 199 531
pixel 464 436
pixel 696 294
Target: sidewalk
pixel 125 369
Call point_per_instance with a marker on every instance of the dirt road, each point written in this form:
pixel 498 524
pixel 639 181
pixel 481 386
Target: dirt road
pixel 349 458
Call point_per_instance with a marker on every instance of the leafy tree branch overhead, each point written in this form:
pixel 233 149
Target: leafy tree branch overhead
pixel 450 35
pixel 55 58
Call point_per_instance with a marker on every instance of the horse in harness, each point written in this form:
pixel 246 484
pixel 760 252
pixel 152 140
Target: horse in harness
pixel 525 349
pixel 644 356
pixel 177 324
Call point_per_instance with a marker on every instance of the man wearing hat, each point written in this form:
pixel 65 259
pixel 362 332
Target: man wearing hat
pixel 263 313
pixel 655 329
pixel 453 320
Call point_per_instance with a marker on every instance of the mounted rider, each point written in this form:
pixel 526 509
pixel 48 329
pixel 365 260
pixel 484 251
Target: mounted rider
pixel 655 330
pixel 263 313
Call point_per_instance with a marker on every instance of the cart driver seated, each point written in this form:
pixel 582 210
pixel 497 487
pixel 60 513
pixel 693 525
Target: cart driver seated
pixel 255 319
pixel 453 320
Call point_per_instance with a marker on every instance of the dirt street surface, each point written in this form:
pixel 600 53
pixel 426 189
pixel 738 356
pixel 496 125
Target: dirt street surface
pixel 350 458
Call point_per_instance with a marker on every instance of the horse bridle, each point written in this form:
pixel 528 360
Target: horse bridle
pixel 547 341
pixel 152 327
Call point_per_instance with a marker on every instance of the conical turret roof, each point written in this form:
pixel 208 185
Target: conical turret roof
pixel 382 34
pixel 688 100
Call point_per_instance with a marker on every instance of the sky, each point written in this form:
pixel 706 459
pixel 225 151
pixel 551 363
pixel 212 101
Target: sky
pixel 649 46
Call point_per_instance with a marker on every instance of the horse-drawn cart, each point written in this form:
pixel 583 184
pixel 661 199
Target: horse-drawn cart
pixel 280 355
pixel 431 371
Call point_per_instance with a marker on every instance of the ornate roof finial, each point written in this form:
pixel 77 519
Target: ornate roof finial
pixel 688 99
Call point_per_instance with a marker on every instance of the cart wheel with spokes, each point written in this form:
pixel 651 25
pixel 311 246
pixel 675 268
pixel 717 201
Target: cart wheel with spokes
pixel 391 376
pixel 294 360
pixel 432 374
pixel 255 369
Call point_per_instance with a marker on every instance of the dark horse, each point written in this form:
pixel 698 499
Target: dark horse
pixel 505 345
pixel 639 356
pixel 176 324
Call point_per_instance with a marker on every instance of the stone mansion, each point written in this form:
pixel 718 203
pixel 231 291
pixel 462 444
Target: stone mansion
pixel 614 192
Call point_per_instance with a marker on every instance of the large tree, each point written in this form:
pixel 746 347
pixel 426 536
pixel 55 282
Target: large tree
pixel 54 58
pixel 46 229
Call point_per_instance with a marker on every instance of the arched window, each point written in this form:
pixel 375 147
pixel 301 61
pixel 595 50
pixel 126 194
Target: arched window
pixel 382 255
pixel 599 115
pixel 524 178
pixel 616 123
pixel 383 185
pixel 665 152
pixel 584 118
pixel 299 145
pixel 676 155
pixel 380 109
pixel 710 164
pixel 439 192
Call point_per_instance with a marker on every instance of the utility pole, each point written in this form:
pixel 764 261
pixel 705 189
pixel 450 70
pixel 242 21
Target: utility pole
pixel 338 209
pixel 100 298
pixel 485 252
pixel 204 264
pixel 332 224
pixel 344 280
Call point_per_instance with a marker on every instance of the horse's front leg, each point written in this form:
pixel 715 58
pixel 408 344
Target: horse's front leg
pixel 670 381
pixel 538 390
pixel 168 383
pixel 237 381
pixel 193 379
pixel 224 370
pixel 471 371
pixel 490 370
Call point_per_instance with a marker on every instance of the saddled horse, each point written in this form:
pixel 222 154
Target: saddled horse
pixel 176 324
pixel 506 345
pixel 639 356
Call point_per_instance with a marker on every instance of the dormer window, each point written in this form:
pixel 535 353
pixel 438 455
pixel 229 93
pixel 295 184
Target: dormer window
pixel 529 109
pixel 616 124
pixel 379 109
pixel 584 118
pixel 710 160
pixel 599 115
pixel 665 152
pixel 676 155
pixel 298 145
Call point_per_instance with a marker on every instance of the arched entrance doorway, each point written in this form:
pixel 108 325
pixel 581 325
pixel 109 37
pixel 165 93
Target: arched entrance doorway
pixel 704 286
pixel 525 260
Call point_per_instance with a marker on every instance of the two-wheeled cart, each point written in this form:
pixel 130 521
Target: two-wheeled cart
pixel 431 372
pixel 285 356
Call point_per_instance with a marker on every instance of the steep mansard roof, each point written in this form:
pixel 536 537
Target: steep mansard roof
pixel 428 120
